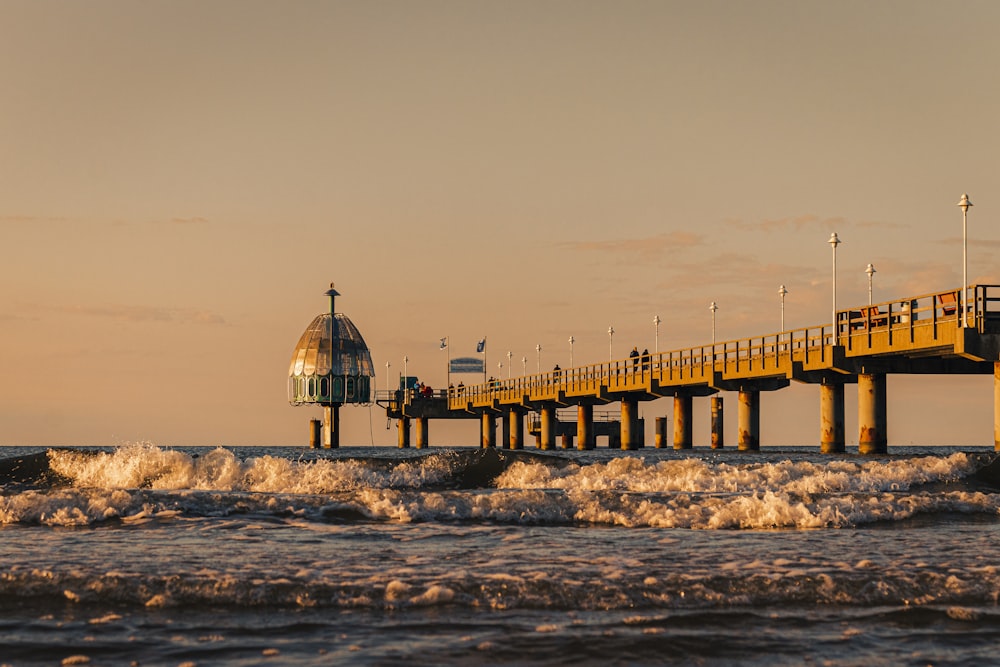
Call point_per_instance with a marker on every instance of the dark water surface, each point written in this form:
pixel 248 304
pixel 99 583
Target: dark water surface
pixel 274 556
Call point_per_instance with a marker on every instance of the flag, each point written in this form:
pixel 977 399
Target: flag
pixel 481 345
pixel 444 343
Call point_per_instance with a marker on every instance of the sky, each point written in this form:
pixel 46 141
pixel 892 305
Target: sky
pixel 181 181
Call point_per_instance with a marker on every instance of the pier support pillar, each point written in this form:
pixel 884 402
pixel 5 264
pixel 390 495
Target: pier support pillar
pixel 996 405
pixel 873 436
pixel 315 433
pixel 683 407
pixel 331 426
pixel 660 439
pixel 423 436
pixel 403 427
pixel 515 427
pixel 548 426
pixel 567 440
pixel 831 418
pixel 630 412
pixel 718 439
pixel 748 418
pixel 489 424
pixel 585 427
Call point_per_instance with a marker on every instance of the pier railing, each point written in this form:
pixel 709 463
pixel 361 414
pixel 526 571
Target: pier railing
pixel 925 321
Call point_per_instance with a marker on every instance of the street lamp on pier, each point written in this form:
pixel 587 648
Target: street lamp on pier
pixel 781 293
pixel 571 341
pixel 964 203
pixel 870 270
pixel 388 385
pixel 713 307
pixel 538 358
pixel 524 365
pixel 834 241
pixel 611 343
pixel 509 355
pixel 656 333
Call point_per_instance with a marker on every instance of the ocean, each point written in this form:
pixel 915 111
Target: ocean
pixel 150 555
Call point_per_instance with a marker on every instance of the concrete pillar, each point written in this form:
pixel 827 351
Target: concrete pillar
pixel 548 433
pixel 331 426
pixel 660 439
pixel 718 439
pixel 567 440
pixel 403 426
pixel 515 421
pixel 315 433
pixel 996 405
pixel 585 427
pixel 873 435
pixel 489 430
pixel 423 436
pixel 505 433
pixel 683 407
pixel 831 418
pixel 630 410
pixel 748 418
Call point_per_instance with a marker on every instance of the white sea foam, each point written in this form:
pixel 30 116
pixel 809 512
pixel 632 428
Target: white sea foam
pixel 696 475
pixel 148 466
pixel 143 483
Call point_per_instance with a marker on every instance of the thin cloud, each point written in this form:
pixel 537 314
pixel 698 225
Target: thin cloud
pixel 644 248
pixel 795 223
pixel 977 243
pixel 805 221
pixel 30 219
pixel 147 314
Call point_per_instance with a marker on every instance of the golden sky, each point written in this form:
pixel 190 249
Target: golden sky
pixel 180 182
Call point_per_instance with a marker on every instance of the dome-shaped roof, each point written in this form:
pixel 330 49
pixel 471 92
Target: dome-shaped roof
pixel 331 345
pixel 331 364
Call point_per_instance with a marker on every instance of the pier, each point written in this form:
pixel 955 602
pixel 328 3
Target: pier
pixel 929 334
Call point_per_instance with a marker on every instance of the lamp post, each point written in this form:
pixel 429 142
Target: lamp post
pixel 781 293
pixel 524 365
pixel 406 381
pixel 964 203
pixel 713 307
pixel 571 341
pixel 538 358
pixel 656 333
pixel 834 241
pixel 499 370
pixel 509 355
pixel 611 343
pixel 870 270
pixel 387 383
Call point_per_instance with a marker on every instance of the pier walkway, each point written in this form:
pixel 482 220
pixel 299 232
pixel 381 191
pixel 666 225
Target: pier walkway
pixel 924 334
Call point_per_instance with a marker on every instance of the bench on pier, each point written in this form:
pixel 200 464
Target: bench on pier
pixel 948 303
pixel 868 317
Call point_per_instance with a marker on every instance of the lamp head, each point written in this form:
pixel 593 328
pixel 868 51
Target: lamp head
pixel 964 202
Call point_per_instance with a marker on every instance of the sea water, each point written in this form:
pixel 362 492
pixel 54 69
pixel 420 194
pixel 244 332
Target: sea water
pixel 150 555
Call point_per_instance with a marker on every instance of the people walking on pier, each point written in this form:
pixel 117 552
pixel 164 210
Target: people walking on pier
pixel 557 373
pixel 634 356
pixel 645 359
